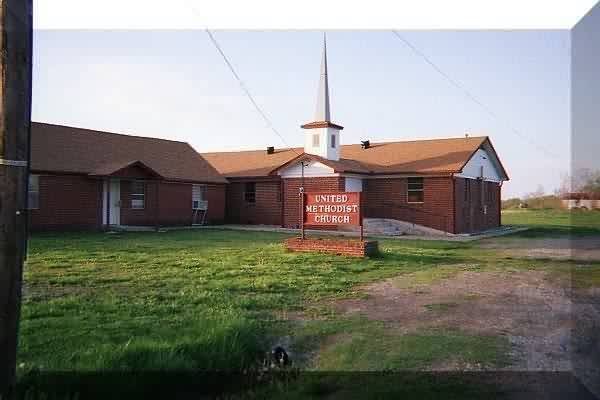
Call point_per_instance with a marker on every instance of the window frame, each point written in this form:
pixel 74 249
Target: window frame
pixel 420 190
pixel 202 202
pixel 133 196
pixel 467 193
pixel 33 178
pixel 250 194
pixel 316 140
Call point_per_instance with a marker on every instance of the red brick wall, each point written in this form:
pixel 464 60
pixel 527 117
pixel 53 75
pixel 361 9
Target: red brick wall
pixel 216 203
pixel 470 216
pixel 386 198
pixel 174 204
pixel 266 210
pixel 67 202
pixel 348 247
pixel 145 216
pixel 73 202
pixel 291 187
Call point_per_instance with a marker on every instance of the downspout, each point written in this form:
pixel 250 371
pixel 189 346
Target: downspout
pixel 500 203
pixel 454 204
pixel 282 194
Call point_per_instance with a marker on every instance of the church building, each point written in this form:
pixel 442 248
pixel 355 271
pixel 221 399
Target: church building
pixel 87 179
pixel 451 185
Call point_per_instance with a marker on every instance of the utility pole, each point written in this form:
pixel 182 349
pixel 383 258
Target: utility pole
pixel 16 36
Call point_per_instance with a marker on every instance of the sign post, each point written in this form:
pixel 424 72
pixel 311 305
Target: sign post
pixel 331 209
pixel 360 216
pixel 302 202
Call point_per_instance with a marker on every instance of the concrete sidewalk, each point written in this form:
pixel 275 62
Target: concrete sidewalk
pixel 505 230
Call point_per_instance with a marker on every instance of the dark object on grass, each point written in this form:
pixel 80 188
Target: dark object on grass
pixel 279 357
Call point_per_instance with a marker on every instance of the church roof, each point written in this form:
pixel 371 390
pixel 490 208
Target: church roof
pixel 418 157
pixel 64 149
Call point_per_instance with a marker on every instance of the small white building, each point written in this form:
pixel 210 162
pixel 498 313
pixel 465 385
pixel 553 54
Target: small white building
pixel 581 201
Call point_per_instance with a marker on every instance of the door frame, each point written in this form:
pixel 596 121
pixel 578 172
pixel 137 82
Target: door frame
pixel 111 202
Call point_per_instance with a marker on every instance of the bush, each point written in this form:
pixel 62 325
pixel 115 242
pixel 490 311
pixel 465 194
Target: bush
pixel 511 203
pixel 533 202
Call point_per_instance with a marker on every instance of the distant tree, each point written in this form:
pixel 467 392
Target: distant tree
pixel 581 180
pixel 511 203
pixel 592 185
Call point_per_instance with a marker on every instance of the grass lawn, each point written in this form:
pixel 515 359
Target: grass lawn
pixel 552 222
pixel 217 300
pixel 188 299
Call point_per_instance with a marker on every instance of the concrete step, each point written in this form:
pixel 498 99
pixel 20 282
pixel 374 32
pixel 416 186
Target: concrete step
pixel 394 227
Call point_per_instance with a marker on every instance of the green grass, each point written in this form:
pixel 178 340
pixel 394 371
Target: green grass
pixel 214 300
pixel 376 349
pixel 187 299
pixel 553 222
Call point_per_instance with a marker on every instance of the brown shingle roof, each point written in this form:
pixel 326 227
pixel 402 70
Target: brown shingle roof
pixel 57 148
pixel 250 163
pixel 433 156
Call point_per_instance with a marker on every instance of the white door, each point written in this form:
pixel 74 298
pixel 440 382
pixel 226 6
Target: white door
pixel 115 202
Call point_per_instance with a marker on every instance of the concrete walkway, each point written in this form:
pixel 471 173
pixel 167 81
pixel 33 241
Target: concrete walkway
pixel 505 230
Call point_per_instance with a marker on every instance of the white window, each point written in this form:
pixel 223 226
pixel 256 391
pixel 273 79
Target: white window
pixel 315 140
pixel 414 193
pixel 138 194
pixel 333 141
pixel 199 201
pixel 250 192
pixel 33 192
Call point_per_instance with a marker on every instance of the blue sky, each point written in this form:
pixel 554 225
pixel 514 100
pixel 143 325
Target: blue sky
pixel 174 84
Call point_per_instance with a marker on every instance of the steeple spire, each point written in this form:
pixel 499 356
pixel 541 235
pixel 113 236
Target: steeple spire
pixel 322 112
pixel 322 137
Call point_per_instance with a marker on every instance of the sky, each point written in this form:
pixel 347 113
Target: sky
pixel 585 93
pixel 175 85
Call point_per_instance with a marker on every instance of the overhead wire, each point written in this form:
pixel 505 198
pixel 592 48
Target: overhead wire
pixel 246 91
pixel 472 97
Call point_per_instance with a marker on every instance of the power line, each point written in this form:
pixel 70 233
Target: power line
pixel 470 96
pixel 246 91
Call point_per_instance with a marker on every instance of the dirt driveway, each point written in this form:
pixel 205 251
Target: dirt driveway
pixel 549 325
pixel 585 248
pixel 534 314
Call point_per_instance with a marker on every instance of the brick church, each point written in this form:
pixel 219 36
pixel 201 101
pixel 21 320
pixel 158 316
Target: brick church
pixel 85 179
pixel 452 185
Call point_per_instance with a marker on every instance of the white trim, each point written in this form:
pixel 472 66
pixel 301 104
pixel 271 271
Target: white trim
pixel 115 202
pixel 199 193
pixel 482 165
pixel 139 196
pixel 389 176
pixel 13 163
pixel 476 178
pixel 314 169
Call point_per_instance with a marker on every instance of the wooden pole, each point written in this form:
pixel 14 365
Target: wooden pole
pixel 360 216
pixel 15 120
pixel 302 201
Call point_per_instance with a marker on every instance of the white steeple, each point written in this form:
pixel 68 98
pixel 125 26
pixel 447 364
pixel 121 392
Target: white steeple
pixel 322 113
pixel 322 136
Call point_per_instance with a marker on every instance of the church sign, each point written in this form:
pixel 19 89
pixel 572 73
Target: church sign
pixel 332 209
